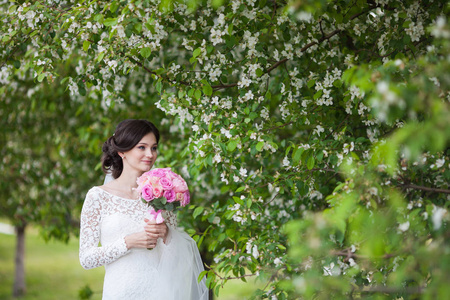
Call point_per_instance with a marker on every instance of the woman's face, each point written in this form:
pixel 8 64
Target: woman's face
pixel 142 157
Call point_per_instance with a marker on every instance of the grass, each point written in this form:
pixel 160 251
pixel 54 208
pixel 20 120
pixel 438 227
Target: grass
pixel 53 271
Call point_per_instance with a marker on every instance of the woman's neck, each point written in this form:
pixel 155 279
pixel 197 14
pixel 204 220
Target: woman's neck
pixel 128 179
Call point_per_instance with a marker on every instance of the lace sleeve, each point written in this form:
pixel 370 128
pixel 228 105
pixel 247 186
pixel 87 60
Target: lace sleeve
pixel 91 255
pixel 172 223
pixel 171 219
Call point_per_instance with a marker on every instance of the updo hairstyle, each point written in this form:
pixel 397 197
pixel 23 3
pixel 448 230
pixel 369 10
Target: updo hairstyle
pixel 128 134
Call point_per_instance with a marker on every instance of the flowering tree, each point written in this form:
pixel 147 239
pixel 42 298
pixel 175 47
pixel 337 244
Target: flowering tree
pixel 313 132
pixel 50 158
pixel 39 183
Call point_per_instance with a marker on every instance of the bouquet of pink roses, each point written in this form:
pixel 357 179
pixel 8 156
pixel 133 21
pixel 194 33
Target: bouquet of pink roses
pixel 162 189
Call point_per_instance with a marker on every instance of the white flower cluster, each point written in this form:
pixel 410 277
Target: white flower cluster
pixel 250 42
pixel 388 98
pixel 252 249
pixel 415 31
pixel 326 85
pixel 31 16
pixel 441 30
pixel 219 31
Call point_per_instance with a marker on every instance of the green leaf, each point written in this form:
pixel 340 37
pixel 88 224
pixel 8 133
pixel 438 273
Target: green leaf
pixel 281 247
pixel 296 155
pixel 145 52
pixel 311 83
pixel 318 94
pixel 159 86
pixel 12 8
pixel 202 274
pixel 41 77
pixel 150 27
pixel 98 18
pixel 138 27
pixel 259 72
pixel 240 189
pixel 232 144
pixel 114 6
pixel 337 83
pixel 198 211
pixel 86 45
pixel 197 52
pixel 16 64
pixel 197 94
pixel 82 90
pixel 311 162
pixel 110 22
pixel 230 29
pixel 100 56
pixel 259 146
pixel 249 202
pixel 207 90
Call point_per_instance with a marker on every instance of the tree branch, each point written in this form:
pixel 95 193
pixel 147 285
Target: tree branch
pixel 275 127
pixel 306 47
pixel 349 254
pixel 141 65
pixel 392 290
pixel 228 278
pixel 424 188
pixel 276 65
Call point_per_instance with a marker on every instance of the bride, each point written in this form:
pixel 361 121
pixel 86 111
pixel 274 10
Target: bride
pixel 113 215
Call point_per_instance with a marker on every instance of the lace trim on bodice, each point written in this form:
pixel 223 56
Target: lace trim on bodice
pixel 107 219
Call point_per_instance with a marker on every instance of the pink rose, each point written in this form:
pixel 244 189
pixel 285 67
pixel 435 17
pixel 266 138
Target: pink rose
pixel 157 191
pixel 165 183
pixel 141 180
pixel 147 193
pixel 179 185
pixel 187 199
pixel 180 196
pixel 158 172
pixel 171 175
pixel 153 180
pixel 170 195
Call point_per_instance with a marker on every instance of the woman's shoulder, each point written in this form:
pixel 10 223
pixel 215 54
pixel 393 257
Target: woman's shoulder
pixel 94 192
pixel 94 189
pixel 100 192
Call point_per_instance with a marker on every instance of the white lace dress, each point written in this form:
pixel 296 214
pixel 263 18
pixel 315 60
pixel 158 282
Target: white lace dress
pixel 169 271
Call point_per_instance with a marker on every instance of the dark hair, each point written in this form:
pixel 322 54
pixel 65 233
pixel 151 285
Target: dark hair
pixel 128 134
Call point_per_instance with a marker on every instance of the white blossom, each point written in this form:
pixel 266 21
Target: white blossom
pixel 404 226
pixel 243 172
pixel 277 261
pixel 438 215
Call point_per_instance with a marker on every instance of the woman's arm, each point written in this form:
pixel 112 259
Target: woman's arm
pixel 91 255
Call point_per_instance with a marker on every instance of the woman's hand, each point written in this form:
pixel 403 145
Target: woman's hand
pixel 148 237
pixel 156 230
pixel 140 240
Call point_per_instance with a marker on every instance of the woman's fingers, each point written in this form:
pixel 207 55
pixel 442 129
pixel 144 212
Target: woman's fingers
pixel 151 244
pixel 141 240
pixel 160 230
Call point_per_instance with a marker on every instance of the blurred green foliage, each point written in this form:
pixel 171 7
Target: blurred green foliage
pixel 313 134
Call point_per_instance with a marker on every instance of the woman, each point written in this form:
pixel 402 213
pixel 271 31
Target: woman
pixel 113 215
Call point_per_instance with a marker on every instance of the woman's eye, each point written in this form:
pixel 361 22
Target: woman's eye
pixel 141 147
pixel 155 148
